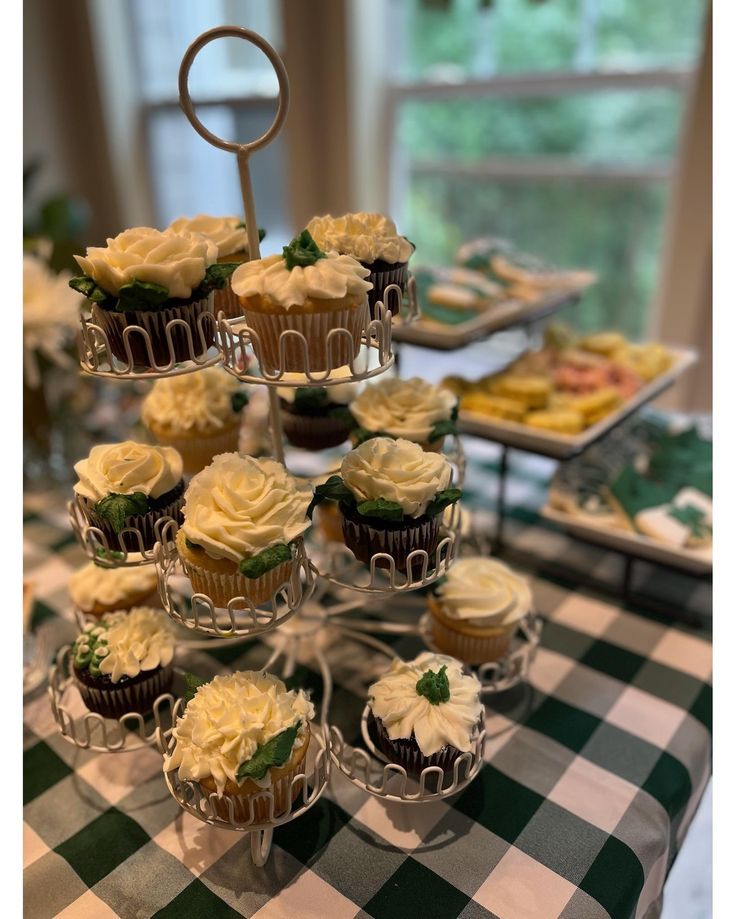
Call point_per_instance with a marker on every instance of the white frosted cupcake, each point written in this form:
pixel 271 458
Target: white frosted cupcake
pixel 242 517
pixel 231 238
pixel 242 734
pixel 95 590
pixel 124 663
pixel 198 414
pixel 320 295
pixel 372 239
pixel 130 486
pixel 391 495
pixel 413 409
pixel 317 417
pixel 146 278
pixel 477 609
pixel 425 712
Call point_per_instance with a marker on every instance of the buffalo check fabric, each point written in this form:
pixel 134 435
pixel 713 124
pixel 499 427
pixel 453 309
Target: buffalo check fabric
pixel 593 771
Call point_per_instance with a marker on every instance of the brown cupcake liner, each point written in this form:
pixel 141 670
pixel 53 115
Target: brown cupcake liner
pixel 470 649
pixel 366 540
pixel 315 432
pixel 342 348
pixel 406 752
pixel 198 318
pixel 197 449
pixel 228 301
pixel 221 587
pixel 147 526
pixel 117 699
pixel 380 279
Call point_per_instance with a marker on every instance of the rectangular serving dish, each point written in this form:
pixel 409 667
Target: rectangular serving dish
pixel 564 446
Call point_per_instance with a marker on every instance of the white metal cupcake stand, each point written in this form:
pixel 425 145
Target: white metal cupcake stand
pixel 292 620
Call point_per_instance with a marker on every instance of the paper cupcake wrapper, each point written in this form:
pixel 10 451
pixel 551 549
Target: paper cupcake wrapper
pixel 365 541
pixel 381 280
pixel 198 449
pixel 315 432
pixel 406 753
pixel 222 587
pixel 122 699
pixel 229 302
pixel 470 649
pixel 154 322
pixel 281 790
pixel 143 524
pixel 315 327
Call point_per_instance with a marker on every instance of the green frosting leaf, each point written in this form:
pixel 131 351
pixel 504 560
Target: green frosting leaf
pixel 141 295
pixel 101 552
pixel 115 508
pixel 238 400
pixel 435 687
pixel 334 489
pixel 381 509
pixel 442 500
pixel 361 435
pixel 442 428
pixel 87 286
pixel 217 276
pixel 307 400
pixel 690 516
pixel 265 561
pixel 302 251
pixel 85 648
pixel 274 752
pixel 192 683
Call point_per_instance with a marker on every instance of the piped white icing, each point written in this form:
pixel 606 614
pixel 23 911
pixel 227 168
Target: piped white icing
pixel 330 278
pixel 177 261
pixel 228 233
pixel 128 467
pixel 238 506
pixel 228 719
pixel 192 402
pixel 394 699
pixel 142 639
pixel 397 470
pixel 341 394
pixel 91 585
pixel 403 408
pixel 366 236
pixel 484 592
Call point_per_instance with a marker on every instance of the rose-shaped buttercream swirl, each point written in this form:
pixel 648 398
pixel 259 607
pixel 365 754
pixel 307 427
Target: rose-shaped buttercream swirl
pixel 330 278
pixel 192 402
pixel 122 469
pixel 397 470
pixel 395 700
pixel 176 261
pixel 366 236
pixel 226 722
pixel 91 585
pixel 228 233
pixel 128 643
pixel 484 592
pixel 341 394
pixel 238 506
pixel 403 408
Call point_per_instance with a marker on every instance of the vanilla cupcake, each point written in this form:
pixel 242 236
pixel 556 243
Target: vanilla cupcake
pixel 145 278
pixel 304 290
pixel 242 517
pixel 391 495
pixel 130 486
pixel 425 712
pixel 317 417
pixel 240 735
pixel 231 238
pixel 198 414
pixel 375 242
pixel 413 409
pixel 124 663
pixel 95 591
pixel 478 607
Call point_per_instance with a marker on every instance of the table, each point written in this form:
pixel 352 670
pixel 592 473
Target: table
pixel 593 771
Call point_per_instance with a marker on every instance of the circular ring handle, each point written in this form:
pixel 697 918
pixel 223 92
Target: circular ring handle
pixel 185 100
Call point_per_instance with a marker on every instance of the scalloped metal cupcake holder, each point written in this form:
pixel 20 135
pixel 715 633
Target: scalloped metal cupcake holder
pixel 290 621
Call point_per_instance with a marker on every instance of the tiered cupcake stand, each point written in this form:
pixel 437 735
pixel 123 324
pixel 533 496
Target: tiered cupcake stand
pixel 292 620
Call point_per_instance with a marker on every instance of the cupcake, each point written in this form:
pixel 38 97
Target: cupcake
pixel 391 495
pixel 413 409
pixel 375 242
pixel 95 590
pixel 146 278
pixel 316 417
pixel 230 237
pixel 242 517
pixel 123 664
pixel 130 486
pixel 198 414
pixel 240 735
pixel 476 610
pixel 425 712
pixel 303 290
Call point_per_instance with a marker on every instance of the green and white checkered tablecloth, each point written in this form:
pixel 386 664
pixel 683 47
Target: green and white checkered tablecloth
pixel 593 773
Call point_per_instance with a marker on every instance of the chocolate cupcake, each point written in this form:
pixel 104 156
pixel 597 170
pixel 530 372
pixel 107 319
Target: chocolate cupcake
pixel 130 486
pixel 391 495
pixel 317 417
pixel 425 712
pixel 123 664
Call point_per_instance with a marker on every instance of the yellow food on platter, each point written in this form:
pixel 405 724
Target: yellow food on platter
pixel 563 422
pixel 494 406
